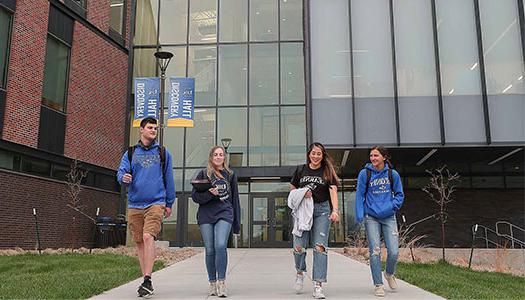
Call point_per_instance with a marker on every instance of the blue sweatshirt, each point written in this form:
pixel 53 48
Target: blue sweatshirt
pixel 379 202
pixel 147 185
pixel 224 206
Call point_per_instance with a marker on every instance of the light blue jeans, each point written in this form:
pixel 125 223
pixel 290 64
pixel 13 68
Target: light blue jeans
pixel 374 227
pixel 319 235
pixel 215 237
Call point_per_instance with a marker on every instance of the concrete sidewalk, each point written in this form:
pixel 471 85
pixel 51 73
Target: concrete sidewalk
pixel 265 274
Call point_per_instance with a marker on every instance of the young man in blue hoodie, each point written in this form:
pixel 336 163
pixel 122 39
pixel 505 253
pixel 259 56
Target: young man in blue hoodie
pixel 151 193
pixel 379 196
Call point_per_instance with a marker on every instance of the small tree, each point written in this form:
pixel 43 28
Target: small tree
pixel 440 189
pixel 74 187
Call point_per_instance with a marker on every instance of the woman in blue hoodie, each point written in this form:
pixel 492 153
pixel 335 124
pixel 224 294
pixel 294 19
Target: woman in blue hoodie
pixel 219 211
pixel 379 196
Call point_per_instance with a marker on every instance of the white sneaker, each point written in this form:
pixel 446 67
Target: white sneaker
pixel 299 282
pixel 318 292
pixel 379 291
pixel 391 279
pixel 221 289
pixel 212 290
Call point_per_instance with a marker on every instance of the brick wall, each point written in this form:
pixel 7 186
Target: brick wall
pixel 98 14
pixel 470 207
pixel 26 71
pixel 97 100
pixel 59 226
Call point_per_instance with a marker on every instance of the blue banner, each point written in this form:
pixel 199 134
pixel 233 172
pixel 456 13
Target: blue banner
pixel 181 91
pixel 147 98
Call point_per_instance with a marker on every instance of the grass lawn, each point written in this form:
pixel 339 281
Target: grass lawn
pixel 65 276
pixel 453 282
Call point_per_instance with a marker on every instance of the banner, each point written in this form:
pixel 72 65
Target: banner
pixel 147 98
pixel 181 101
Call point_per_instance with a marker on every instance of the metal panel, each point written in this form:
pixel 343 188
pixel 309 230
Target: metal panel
pixel 60 25
pixel 10 4
pixel 2 110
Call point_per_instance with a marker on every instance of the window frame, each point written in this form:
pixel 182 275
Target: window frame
pixel 10 13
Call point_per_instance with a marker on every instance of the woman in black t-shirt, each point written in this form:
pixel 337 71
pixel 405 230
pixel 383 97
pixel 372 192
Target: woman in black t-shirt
pixel 320 177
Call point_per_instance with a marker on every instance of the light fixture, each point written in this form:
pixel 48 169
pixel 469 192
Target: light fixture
pixel 424 158
pixel 345 158
pixel 506 89
pixel 451 92
pixel 474 66
pixel 226 143
pixel 505 156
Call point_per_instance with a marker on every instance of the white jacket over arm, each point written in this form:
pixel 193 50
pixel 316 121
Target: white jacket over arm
pixel 302 211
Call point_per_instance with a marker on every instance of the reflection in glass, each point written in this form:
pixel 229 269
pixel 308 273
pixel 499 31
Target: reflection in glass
pixel 177 66
pixel 173 137
pixel 262 186
pixel 292 73
pixel 232 123
pixel 200 138
pixel 146 22
pixel 263 20
pixel 260 233
pixel 264 136
pixel 416 72
pixel 203 21
pixel 233 20
pixel 373 79
pixel 260 209
pixel 460 78
pixel 504 69
pixel 293 135
pixel 55 74
pixel 233 66
pixel 244 236
pixel 264 85
pixel 291 19
pixel 5 28
pixel 194 237
pixel 173 21
pixel 144 62
pixel 202 66
pixel 116 15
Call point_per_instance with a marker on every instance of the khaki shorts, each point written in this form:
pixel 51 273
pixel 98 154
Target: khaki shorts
pixel 146 220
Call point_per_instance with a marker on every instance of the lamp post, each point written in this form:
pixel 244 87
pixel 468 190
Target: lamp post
pixel 163 60
pixel 226 143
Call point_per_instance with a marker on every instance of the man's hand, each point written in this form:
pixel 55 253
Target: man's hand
pixel 127 178
pixel 167 212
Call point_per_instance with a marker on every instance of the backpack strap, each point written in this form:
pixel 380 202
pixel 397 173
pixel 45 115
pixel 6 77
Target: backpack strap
pixel 131 149
pixel 368 177
pixel 391 179
pixel 162 154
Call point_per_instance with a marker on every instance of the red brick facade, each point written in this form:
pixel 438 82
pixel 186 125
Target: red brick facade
pixel 97 100
pixel 94 130
pixel 26 71
pixel 59 225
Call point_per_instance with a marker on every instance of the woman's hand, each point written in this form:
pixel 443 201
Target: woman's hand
pixel 334 216
pixel 214 191
pixel 308 194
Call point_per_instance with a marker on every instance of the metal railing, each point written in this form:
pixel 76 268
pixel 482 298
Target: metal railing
pixel 512 229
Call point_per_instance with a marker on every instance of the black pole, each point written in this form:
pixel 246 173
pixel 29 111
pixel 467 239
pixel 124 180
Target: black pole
pixel 472 247
pixel 37 233
pixel 94 231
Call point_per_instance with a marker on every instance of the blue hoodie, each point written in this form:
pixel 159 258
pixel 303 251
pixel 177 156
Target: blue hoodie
pixel 379 202
pixel 147 185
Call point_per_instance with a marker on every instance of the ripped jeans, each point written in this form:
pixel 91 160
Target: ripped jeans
pixel 374 227
pixel 319 235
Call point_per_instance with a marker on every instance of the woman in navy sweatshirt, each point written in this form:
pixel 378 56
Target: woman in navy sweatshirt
pixel 379 196
pixel 219 211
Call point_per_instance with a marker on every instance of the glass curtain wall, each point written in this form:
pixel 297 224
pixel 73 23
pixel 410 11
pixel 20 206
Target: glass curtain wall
pixel 408 72
pixel 247 60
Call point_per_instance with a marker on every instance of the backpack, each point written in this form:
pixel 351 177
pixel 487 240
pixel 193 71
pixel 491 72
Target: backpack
pixel 162 154
pixel 369 176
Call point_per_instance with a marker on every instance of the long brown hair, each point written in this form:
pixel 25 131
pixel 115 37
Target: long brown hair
pixel 210 169
pixel 384 152
pixel 329 173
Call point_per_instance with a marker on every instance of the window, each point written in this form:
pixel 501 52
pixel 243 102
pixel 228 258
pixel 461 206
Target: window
pixel 5 37
pixel 55 74
pixel 116 16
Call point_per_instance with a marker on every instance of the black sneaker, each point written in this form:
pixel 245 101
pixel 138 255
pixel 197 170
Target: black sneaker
pixel 145 289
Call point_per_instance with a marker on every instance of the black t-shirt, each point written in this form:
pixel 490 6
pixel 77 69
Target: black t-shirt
pixel 313 179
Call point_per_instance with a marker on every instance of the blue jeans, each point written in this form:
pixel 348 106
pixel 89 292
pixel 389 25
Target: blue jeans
pixel 319 235
pixel 215 237
pixel 374 227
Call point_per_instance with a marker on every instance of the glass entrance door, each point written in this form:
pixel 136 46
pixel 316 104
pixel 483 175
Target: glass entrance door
pixel 271 220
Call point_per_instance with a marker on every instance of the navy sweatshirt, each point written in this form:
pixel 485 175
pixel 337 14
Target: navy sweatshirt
pixel 224 206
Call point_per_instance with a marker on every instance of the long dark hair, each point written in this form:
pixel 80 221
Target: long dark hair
pixel 329 174
pixel 385 153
